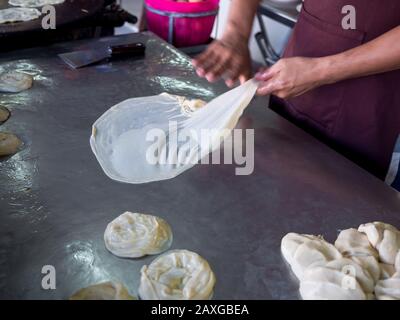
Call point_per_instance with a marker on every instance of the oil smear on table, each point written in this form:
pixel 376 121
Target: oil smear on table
pixel 151 138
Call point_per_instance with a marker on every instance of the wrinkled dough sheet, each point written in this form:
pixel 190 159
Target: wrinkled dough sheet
pixel 103 291
pixel 188 106
pixel 133 235
pixel 33 3
pixel 177 275
pixel 18 14
pixel 363 264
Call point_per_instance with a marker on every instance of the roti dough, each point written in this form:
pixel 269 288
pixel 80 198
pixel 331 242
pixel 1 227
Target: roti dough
pixel 304 251
pixel 103 291
pixel 177 275
pixel 33 3
pixel 133 235
pixel 9 144
pixel 14 81
pixel 18 14
pixel 4 114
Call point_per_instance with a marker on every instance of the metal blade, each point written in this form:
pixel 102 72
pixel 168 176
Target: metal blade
pixel 78 59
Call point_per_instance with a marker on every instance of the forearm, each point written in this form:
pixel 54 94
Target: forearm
pixel 377 56
pixel 240 19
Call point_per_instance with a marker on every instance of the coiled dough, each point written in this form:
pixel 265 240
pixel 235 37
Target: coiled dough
pixel 103 291
pixel 302 251
pixel 341 279
pixel 133 235
pixel 383 237
pixel 14 81
pixel 177 275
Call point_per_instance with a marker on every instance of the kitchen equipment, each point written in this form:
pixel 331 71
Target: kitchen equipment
pixel 82 58
pixel 183 24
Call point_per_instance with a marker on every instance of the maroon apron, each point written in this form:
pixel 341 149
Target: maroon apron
pixel 363 114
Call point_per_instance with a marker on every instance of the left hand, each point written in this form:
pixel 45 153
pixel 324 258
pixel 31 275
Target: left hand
pixel 291 77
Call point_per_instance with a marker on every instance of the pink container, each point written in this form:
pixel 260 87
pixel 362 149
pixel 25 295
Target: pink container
pixel 183 24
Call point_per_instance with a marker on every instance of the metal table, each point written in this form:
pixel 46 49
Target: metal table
pixel 55 201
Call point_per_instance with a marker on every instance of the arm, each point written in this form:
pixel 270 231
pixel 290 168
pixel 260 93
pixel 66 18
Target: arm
pixel 229 56
pixel 294 76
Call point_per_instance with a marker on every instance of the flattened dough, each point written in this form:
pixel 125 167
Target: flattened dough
pixel 4 114
pixel 304 251
pixel 18 14
pixel 9 144
pixel 133 235
pixel 103 291
pixel 14 81
pixel 177 275
pixel 33 3
pixel 383 237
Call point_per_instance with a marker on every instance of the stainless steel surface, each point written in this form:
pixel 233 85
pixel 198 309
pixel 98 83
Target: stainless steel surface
pixel 55 201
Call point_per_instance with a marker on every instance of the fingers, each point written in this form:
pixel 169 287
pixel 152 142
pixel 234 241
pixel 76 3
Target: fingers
pixel 265 74
pixel 269 87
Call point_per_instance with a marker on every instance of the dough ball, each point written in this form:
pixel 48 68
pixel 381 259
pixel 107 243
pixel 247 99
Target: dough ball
pixel 9 144
pixel 304 251
pixel 177 275
pixel 103 291
pixel 341 279
pixel 133 235
pixel 351 243
pixel 18 14
pixel 33 3
pixel 4 114
pixel 383 237
pixel 14 81
pixel 388 289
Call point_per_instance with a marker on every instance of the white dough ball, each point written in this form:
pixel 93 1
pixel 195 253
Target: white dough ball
pixel 177 275
pixel 103 291
pixel 133 235
pixel 304 251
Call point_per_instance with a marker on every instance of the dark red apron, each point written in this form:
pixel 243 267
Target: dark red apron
pixel 361 115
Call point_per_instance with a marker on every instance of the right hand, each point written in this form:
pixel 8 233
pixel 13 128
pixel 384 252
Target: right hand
pixel 228 58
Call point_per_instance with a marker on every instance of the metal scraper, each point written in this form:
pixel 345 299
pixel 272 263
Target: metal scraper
pixel 82 58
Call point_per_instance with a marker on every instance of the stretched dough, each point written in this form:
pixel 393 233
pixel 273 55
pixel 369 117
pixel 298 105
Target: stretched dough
pixel 383 237
pixel 4 114
pixel 177 275
pixel 103 291
pixel 133 235
pixel 387 271
pixel 304 251
pixel 33 3
pixel 9 144
pixel 14 81
pixel 18 14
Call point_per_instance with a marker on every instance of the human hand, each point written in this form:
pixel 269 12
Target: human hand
pixel 228 58
pixel 291 77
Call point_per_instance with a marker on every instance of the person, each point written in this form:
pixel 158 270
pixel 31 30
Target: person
pixel 340 83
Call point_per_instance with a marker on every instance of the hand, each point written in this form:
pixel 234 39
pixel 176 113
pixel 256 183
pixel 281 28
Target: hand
pixel 228 58
pixel 291 77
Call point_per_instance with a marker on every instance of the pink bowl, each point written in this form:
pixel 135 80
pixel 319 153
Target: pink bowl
pixel 187 31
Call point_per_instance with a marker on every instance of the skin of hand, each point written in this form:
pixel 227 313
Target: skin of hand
pixel 290 77
pixel 228 58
